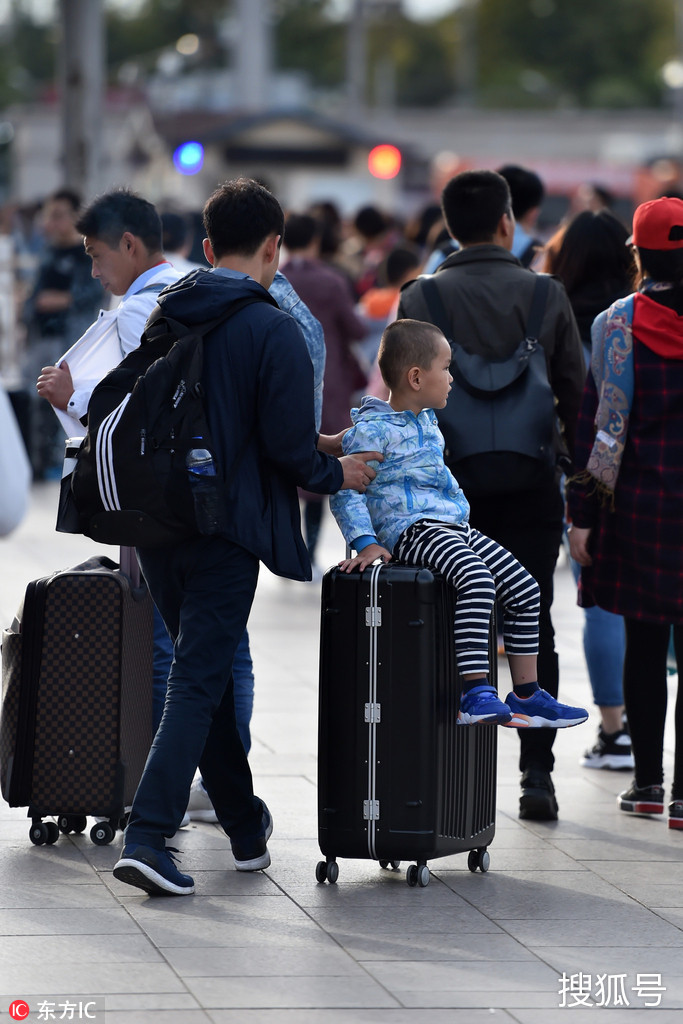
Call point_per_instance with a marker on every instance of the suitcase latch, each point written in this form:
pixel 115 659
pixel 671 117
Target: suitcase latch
pixel 373 713
pixel 373 616
pixel 371 810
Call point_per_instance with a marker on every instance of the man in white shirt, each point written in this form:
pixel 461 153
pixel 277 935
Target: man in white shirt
pixel 122 236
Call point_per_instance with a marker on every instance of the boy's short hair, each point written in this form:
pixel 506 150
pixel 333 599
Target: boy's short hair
pixel 473 203
pixel 240 215
pixel 406 343
pixel 113 213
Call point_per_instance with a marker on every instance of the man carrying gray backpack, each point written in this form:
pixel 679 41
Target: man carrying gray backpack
pixel 484 305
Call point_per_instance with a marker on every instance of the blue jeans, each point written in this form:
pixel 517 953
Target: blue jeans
pixel 603 646
pixel 243 676
pixel 204 589
pixel 242 672
pixel 163 656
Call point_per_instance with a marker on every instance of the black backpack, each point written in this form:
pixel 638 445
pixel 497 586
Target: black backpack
pixel 502 405
pixel 130 484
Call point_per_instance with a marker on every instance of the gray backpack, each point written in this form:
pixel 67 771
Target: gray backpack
pixel 502 405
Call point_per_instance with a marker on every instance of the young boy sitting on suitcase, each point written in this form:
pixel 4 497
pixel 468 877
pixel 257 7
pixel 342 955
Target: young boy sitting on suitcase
pixel 415 511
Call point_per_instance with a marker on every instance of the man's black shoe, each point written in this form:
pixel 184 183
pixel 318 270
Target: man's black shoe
pixel 537 801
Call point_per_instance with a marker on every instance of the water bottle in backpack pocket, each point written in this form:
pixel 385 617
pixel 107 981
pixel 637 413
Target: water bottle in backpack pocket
pixel 204 484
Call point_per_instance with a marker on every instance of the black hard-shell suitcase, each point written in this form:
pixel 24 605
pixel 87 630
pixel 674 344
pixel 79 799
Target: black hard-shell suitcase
pixel 398 779
pixel 76 717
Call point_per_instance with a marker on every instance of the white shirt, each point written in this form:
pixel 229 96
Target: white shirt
pixel 128 319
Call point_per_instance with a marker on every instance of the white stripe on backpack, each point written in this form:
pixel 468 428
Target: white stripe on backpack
pixel 106 479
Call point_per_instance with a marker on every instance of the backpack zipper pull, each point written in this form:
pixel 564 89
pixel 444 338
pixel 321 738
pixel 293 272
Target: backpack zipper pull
pixel 143 440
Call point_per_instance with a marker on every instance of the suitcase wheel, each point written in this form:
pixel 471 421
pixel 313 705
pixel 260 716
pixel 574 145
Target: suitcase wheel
pixel 479 859
pixel 102 833
pixel 327 871
pixel 71 823
pixel 417 874
pixel 393 864
pixel 43 833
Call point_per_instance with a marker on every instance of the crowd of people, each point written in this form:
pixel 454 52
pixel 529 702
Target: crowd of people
pixel 491 515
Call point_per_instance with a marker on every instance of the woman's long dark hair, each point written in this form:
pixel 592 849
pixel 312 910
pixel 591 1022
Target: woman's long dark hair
pixel 590 249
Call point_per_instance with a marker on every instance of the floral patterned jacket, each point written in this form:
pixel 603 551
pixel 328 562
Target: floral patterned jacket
pixel 412 482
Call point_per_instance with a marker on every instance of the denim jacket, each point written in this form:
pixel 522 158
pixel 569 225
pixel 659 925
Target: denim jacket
pixel 288 300
pixel 412 482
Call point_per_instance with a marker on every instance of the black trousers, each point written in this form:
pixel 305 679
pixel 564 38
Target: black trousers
pixel 645 699
pixel 529 525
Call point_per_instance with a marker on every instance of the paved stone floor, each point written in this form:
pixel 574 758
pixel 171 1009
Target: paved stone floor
pixel 595 898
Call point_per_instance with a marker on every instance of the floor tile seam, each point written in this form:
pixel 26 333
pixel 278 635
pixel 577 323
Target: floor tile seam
pixel 597 877
pixel 659 911
pixel 501 922
pixel 338 943
pixel 125 906
pixel 513 1016
pixel 503 930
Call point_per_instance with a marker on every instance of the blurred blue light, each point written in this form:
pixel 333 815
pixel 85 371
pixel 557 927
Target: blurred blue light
pixel 189 157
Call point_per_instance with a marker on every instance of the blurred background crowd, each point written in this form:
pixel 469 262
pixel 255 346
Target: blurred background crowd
pixel 354 112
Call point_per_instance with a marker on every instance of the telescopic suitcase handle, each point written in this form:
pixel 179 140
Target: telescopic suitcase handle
pixel 129 565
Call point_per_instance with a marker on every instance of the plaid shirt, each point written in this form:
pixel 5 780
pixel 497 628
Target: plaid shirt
pixel 637 547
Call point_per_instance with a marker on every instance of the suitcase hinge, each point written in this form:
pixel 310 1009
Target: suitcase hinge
pixel 373 616
pixel 373 713
pixel 371 810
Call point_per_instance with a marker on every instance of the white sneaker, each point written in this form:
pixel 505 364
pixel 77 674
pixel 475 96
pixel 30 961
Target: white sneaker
pixel 186 820
pixel 611 751
pixel 200 807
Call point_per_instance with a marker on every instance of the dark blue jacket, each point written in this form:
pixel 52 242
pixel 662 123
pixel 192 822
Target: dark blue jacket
pixel 258 381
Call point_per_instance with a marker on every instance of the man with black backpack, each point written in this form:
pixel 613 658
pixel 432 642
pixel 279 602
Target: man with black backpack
pixel 504 455
pixel 258 387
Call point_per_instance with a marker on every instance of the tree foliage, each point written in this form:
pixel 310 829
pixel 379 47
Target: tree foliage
pixel 535 53
pixel 573 52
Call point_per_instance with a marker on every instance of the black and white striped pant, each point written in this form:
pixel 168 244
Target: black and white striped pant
pixel 481 571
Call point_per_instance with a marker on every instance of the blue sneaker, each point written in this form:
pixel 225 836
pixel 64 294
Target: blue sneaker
pixel 482 704
pixel 540 710
pixel 251 853
pixel 152 870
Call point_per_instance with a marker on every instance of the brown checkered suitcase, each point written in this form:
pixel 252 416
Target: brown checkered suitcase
pixel 76 718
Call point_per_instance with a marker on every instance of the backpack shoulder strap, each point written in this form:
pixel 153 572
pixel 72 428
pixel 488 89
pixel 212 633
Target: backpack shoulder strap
pixel 158 324
pixel 438 314
pixel 537 309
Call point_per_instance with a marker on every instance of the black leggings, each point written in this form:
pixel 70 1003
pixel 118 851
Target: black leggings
pixel 645 699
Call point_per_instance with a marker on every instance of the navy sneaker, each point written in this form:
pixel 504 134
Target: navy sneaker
pixel 643 800
pixel 152 870
pixel 540 710
pixel 482 704
pixel 251 853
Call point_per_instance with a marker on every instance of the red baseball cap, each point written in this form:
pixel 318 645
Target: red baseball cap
pixel 658 224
